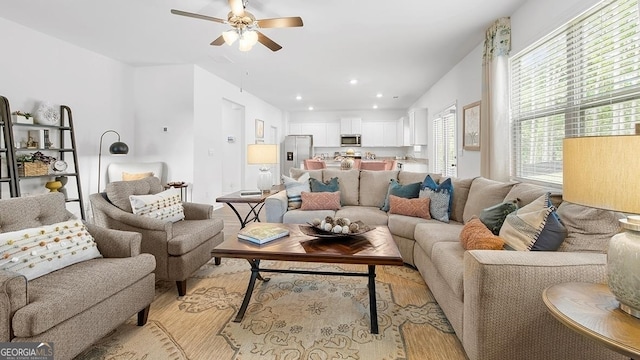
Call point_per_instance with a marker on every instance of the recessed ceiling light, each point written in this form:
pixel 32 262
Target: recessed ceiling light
pixel 379 95
pixel 353 81
pixel 298 97
pixel 310 108
pixel 375 106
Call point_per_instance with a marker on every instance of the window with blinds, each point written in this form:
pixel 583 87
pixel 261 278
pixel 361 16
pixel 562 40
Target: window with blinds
pixel 582 80
pixel 444 142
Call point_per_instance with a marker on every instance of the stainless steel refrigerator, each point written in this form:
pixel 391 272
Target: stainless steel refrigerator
pixel 295 148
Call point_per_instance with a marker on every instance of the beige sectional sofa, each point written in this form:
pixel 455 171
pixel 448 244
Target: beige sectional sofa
pixel 492 298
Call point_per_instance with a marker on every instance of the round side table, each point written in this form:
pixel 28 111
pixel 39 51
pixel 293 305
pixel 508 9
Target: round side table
pixel 592 311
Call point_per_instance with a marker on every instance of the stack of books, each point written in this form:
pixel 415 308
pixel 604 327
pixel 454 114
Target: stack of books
pixel 262 233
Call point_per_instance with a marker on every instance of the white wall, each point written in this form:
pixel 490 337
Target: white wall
pixel 462 84
pixel 35 67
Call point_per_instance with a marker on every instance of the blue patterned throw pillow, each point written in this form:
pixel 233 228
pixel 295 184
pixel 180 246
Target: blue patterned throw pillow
pixel 294 188
pixel 409 191
pixel 329 186
pixel 441 196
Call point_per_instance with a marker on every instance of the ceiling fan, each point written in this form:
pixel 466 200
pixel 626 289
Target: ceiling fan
pixel 245 26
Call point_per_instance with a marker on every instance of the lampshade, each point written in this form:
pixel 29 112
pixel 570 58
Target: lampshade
pixel 261 154
pixel 604 172
pixel 230 36
pixel 119 148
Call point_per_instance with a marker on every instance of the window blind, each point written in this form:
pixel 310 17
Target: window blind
pixel 444 142
pixel 581 80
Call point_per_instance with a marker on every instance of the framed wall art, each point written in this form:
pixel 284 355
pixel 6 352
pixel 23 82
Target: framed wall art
pixel 471 126
pixel 259 129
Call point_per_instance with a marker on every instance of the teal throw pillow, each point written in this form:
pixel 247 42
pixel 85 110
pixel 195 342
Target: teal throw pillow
pixel 493 217
pixel 409 191
pixel 329 186
pixel 441 196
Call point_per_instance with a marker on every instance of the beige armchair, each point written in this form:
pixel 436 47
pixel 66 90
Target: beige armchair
pixel 76 305
pixel 180 248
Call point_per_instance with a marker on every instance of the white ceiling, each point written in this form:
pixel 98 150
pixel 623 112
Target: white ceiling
pixel 396 47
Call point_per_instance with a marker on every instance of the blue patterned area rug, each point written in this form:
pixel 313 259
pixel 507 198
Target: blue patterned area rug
pixel 293 316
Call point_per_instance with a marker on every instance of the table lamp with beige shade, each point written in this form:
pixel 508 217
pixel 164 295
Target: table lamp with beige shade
pixel 263 155
pixel 604 172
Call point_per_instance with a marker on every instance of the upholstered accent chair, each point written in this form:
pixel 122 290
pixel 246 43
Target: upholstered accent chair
pixel 372 165
pixel 311 164
pixel 77 304
pixel 180 247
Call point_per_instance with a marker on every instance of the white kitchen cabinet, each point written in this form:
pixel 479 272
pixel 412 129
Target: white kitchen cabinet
pixel 390 133
pixel 318 130
pixel 351 126
pixel 294 129
pixel 373 134
pixel 333 134
pixel 418 127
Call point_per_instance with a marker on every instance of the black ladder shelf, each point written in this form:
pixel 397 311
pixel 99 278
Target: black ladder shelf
pixel 9 174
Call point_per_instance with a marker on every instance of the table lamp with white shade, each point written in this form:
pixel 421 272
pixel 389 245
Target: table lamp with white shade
pixel 604 172
pixel 263 155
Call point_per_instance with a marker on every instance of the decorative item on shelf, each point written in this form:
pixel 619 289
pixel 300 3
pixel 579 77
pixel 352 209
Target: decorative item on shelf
pixel 20 117
pixel 35 164
pixel 117 148
pixel 48 114
pixel 346 163
pixel 31 142
pixel 47 144
pixel 263 155
pixel 589 165
pixel 63 180
pixel 53 186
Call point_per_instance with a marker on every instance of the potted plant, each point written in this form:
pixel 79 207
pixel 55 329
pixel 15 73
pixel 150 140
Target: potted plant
pixel 20 117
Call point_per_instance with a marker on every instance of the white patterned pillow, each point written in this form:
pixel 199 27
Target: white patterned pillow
pixel 38 251
pixel 166 205
pixel 295 188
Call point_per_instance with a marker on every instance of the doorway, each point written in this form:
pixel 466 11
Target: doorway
pixel 233 150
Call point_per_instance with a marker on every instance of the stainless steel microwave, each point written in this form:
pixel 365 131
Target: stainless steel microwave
pixel 350 140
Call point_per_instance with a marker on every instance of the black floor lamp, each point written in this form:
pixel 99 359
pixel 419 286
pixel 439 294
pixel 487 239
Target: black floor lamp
pixel 117 148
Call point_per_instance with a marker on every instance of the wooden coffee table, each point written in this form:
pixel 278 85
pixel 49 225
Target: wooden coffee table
pixel 372 248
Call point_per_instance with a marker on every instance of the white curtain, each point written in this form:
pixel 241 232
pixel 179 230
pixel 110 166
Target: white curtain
pixel 494 110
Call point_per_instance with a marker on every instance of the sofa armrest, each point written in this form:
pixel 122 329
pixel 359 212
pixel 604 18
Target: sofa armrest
pixel 115 243
pixel 13 296
pixel 276 206
pixel 504 315
pixel 195 211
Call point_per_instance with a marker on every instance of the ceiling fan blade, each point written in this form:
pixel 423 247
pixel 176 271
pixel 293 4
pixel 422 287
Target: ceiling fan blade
pixel 197 16
pixel 293 21
pixel 219 41
pixel 237 8
pixel 264 40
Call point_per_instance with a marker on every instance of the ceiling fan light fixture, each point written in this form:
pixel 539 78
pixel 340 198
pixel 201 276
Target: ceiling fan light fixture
pixel 251 36
pixel 244 44
pixel 230 36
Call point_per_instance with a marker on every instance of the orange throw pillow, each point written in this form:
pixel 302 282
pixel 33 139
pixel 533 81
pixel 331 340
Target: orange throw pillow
pixel 320 200
pixel 135 176
pixel 416 207
pixel 476 236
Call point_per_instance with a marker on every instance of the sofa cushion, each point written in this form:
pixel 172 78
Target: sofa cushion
pixel 431 232
pixel 320 200
pixel 534 227
pixel 417 207
pixel 526 193
pixel 369 215
pixel 441 196
pixel 296 173
pixel 482 194
pixel 165 205
pixel 304 216
pixel 37 251
pixel 408 191
pixel 374 186
pixel 476 236
pixel 189 234
pixel 118 192
pixel 448 258
pixel 331 185
pixel 460 194
pixel 403 225
pixel 294 189
pixel 588 229
pixel 62 294
pixel 349 183
pixel 493 216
